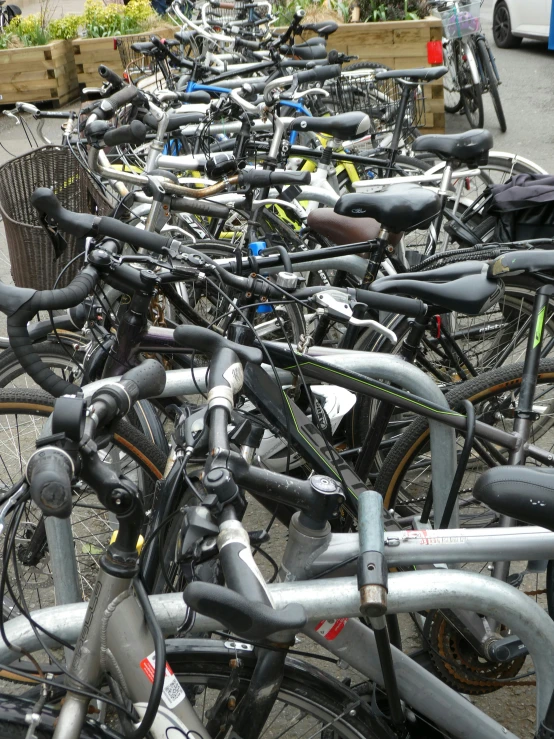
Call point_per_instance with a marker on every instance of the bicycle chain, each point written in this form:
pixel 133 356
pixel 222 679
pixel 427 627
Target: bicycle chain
pixel 457 670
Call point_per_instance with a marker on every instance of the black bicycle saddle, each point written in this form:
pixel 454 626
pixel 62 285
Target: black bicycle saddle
pixel 472 295
pixel 344 126
pixel 469 146
pixel 524 493
pixel 396 207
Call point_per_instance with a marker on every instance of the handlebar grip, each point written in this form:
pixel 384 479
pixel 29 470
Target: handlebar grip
pixel 319 74
pixel 49 473
pixel 198 96
pixel 83 224
pixel 242 43
pixel 208 342
pixel 391 303
pixel 147 380
pixel 117 82
pixel 109 106
pixel 116 399
pixel 133 133
pixel 265 178
pixel 18 332
pixel 200 207
pixel 250 620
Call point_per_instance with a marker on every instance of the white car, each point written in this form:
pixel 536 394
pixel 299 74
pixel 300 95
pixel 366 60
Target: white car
pixel 514 20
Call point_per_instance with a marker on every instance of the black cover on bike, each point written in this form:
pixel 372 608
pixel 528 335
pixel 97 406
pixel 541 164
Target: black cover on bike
pixel 265 178
pixel 175 121
pixel 117 82
pixel 524 207
pixel 344 126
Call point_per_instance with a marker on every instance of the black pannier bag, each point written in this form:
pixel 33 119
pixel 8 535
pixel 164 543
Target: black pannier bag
pixel 524 207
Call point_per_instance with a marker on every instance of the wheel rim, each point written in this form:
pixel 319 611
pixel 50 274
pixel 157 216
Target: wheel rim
pixel 501 27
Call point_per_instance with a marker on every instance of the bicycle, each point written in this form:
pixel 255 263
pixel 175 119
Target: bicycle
pixel 472 69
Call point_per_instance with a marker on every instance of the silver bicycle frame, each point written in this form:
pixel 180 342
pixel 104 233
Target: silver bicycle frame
pixel 338 598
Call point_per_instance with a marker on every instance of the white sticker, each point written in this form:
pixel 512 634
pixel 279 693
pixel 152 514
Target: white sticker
pixel 234 376
pixel 331 629
pixel 172 693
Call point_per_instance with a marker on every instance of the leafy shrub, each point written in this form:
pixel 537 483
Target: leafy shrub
pixel 117 20
pixel 66 27
pixel 392 10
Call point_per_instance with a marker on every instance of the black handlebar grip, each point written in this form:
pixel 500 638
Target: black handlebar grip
pixel 109 106
pixel 133 133
pixel 392 304
pixel 208 342
pixel 319 74
pixel 83 224
pixel 18 333
pixel 200 207
pixel 266 178
pixel 198 96
pixel 242 43
pixel 147 380
pixel 49 473
pixel 250 620
pixel 117 82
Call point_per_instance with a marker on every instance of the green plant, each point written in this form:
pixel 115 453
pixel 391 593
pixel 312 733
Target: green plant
pixel 66 27
pixel 116 20
pixel 30 30
pixel 393 10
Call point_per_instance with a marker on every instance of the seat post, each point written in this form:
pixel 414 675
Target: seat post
pixel 435 227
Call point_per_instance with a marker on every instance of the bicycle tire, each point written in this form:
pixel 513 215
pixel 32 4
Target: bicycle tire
pixel 472 98
pixel 490 75
pixel 415 437
pixel 92 530
pixel 307 696
pixel 304 687
pixel 452 98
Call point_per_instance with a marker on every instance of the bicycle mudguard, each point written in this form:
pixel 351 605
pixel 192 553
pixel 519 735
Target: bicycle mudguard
pixel 295 425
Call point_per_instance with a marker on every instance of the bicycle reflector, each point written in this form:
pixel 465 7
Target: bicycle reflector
pixel 434 52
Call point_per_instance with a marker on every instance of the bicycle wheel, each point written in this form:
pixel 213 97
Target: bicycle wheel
pixel 452 98
pixel 22 413
pixel 405 476
pixel 64 359
pixel 498 338
pixel 310 703
pixel 472 99
pixel 491 82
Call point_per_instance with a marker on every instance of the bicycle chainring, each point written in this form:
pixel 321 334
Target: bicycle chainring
pixel 459 665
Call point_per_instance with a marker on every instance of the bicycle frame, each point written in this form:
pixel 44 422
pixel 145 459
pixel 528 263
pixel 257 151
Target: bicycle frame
pixel 338 598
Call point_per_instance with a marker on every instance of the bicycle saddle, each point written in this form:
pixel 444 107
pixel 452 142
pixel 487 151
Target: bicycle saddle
pixel 423 74
pixel 469 146
pixel 535 260
pixel 306 52
pixel 525 493
pixel 144 47
pixel 396 207
pixel 325 28
pixel 344 126
pixel 343 230
pixel 472 295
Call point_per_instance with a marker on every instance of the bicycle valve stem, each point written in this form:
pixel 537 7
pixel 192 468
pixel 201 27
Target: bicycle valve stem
pixel 372 566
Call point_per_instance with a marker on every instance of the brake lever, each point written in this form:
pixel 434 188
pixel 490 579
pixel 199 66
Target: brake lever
pixel 310 91
pixel 334 305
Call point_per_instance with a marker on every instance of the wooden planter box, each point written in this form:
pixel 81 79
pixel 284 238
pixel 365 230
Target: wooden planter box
pixel 91 52
pixel 38 74
pixel 400 45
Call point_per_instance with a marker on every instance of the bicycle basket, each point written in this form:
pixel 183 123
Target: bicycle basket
pixel 33 261
pixel 380 99
pixel 133 63
pixel 462 19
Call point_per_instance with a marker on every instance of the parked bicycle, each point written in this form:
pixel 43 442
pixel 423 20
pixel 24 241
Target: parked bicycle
pixel 472 69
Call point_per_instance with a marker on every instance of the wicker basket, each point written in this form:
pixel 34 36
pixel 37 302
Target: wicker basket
pixel 32 257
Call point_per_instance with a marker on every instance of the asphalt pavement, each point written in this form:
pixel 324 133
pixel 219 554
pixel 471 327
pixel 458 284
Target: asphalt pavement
pixel 527 99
